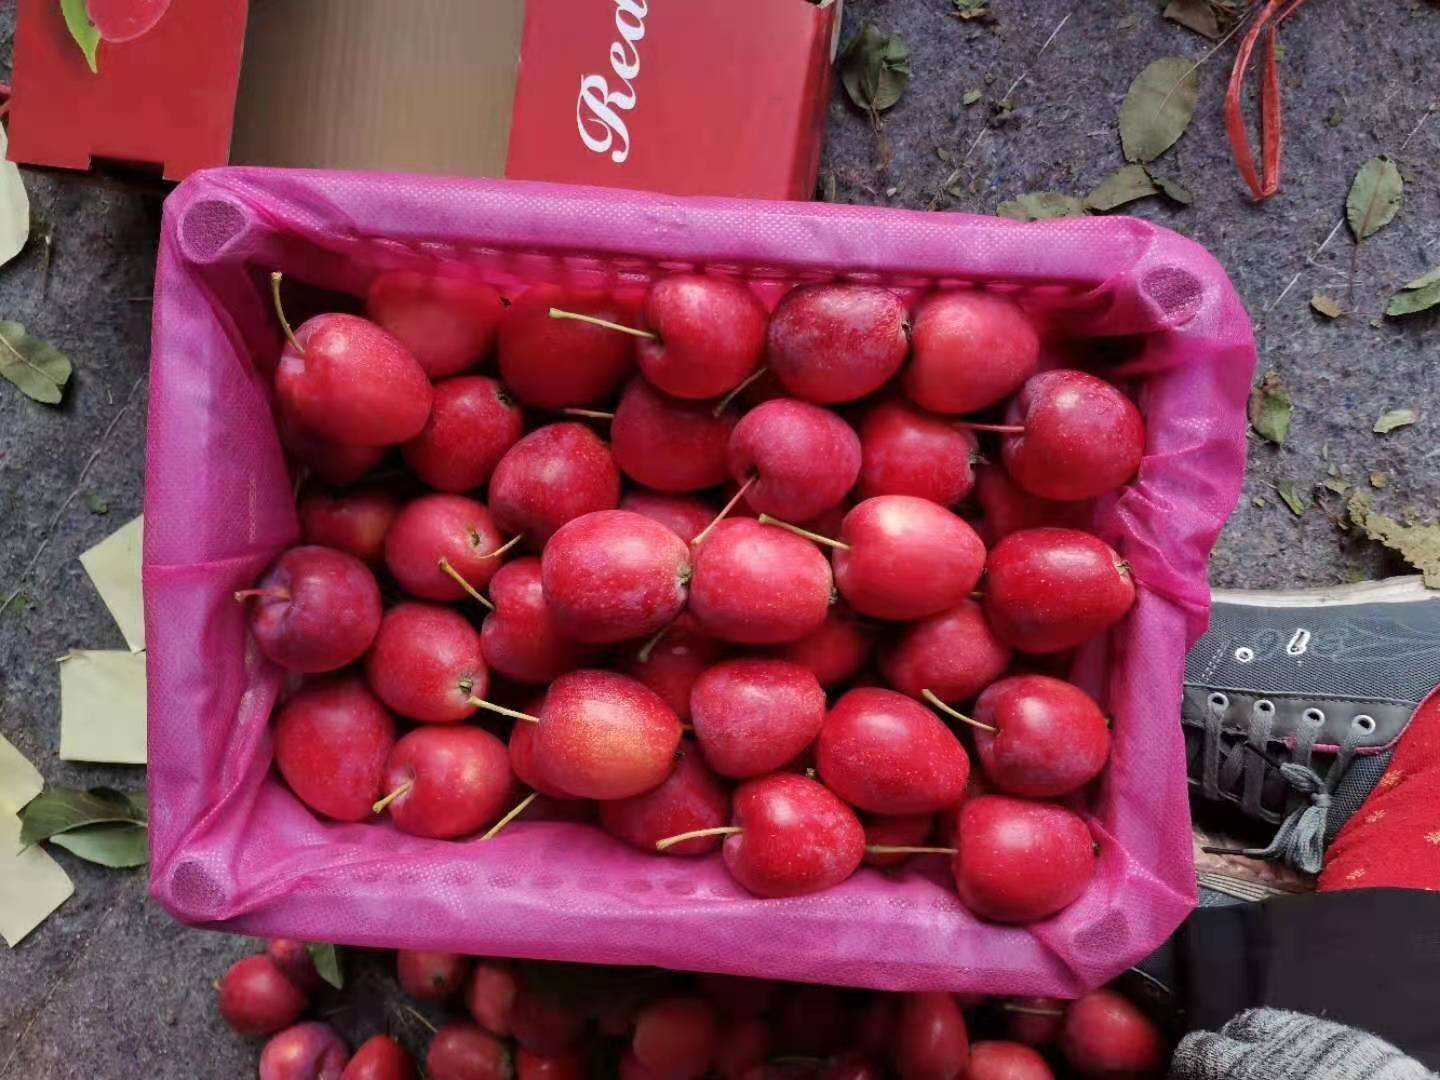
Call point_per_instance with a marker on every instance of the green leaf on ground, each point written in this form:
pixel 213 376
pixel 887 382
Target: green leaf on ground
pixel 38 368
pixel 875 69
pixel 1158 108
pixel 1394 418
pixel 115 844
pixel 1419 545
pixel 1326 305
pixel 972 9
pixel 1339 487
pixel 1422 294
pixel 1170 189
pixel 327 963
pixel 1270 409
pixel 1042 205
pixel 1125 185
pixel 96 503
pixel 59 810
pixel 972 96
pixel 77 19
pixel 1374 197
pixel 1286 490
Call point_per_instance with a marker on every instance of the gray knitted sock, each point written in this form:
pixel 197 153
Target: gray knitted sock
pixel 1273 1044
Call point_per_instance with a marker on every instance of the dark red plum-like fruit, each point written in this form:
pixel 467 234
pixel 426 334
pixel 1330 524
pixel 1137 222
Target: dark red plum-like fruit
pixel 677 1037
pixel 461 1051
pixel 931 1042
pixel 430 976
pixel 490 995
pixel 1106 1035
pixel 315 610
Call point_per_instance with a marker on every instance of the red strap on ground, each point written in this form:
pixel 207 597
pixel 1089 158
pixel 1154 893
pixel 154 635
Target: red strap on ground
pixel 1266 23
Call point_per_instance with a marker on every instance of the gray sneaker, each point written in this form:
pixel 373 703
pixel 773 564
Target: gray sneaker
pixel 1293 705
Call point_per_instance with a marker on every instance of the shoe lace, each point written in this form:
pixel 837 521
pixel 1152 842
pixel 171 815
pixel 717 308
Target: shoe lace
pixel 1300 840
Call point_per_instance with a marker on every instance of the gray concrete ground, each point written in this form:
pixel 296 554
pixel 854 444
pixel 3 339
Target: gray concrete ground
pixel 110 987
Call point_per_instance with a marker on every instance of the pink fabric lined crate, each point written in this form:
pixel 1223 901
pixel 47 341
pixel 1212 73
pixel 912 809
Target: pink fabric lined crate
pixel 232 849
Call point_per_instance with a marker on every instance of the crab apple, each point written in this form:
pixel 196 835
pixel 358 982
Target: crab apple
pixel 837 342
pixel 743 1046
pixel 971 350
pixel 571 1065
pixel 461 1051
pixel 1106 1035
pixel 1048 590
pixel 426 663
pixel 604 736
pixel 354 522
pixel 443 547
pixel 803 459
pixel 552 475
pixel 347 380
pixel 449 324
pixel 308 1051
pixel 490 994
pixel 612 575
pixel 1006 507
pixel 907 451
pixel 1019 861
pixel 677 1037
pixel 896 830
pixel 671 665
pixel 521 638
pixel 314 610
pixel 685 516
pixel 444 782
pixel 759 585
pixel 835 651
pixel 690 798
pixel 118 21
pixel 1080 437
pixel 1047 738
pixel 522 761
pixel 293 958
pixel 545 1023
pixel 795 837
pixel 331 741
pixel 885 753
pixel 380 1058
pixel 668 444
pixel 1006 1061
pixel 430 976
pixel 931 1042
pixel 563 363
pixel 752 716
pixel 473 423
pixel 257 999
pixel 709 335
pixel 1034 1021
pixel 905 558
pixel 331 462
pixel 954 655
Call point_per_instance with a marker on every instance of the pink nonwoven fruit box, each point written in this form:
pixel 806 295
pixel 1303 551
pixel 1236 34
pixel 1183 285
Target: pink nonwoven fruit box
pixel 233 849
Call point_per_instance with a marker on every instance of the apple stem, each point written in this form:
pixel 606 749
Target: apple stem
pixel 886 849
pixel 594 414
pixel 696 834
pixel 503 548
pixel 280 312
pixel 766 519
pixel 643 655
pixel 948 711
pixel 447 569
pixel 481 703
pixel 999 429
pixel 557 313
pixel 270 594
pixel 1030 1010
pixel 725 401
pixel 511 816
pixel 724 510
pixel 380 806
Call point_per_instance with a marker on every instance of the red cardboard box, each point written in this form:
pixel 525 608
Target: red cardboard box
pixel 678 96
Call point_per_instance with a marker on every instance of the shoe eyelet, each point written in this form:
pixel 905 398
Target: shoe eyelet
pixel 1244 654
pixel 1315 716
pixel 1365 722
pixel 1265 705
pixel 1219 700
